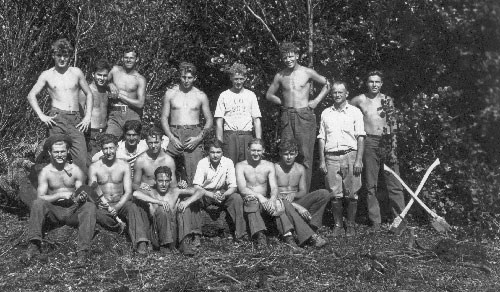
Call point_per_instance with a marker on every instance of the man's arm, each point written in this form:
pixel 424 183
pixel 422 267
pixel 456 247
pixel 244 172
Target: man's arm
pixel 127 185
pixel 37 88
pixel 136 183
pixel 273 88
pixel 358 163
pixel 141 94
pixel 242 184
pixel 273 184
pixel 219 129
pixel 322 161
pixel 43 187
pixel 324 91
pixel 258 128
pixel 85 123
pixel 302 183
pixel 165 115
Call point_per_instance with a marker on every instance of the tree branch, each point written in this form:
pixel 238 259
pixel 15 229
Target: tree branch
pixel 262 21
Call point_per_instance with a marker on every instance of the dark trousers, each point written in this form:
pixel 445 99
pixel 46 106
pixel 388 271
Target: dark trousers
pixel 300 124
pixel 236 145
pixel 315 203
pixel 191 157
pixel 83 217
pixel 172 226
pixel 117 119
pixel 373 159
pixel 233 204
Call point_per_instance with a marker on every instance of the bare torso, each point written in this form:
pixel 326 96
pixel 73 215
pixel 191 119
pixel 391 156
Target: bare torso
pixel 374 115
pixel 126 83
pixel 99 106
pixel 288 182
pixel 170 197
pixel 256 177
pixel 295 87
pixel 185 107
pixel 60 181
pixel 111 179
pixel 147 166
pixel 63 88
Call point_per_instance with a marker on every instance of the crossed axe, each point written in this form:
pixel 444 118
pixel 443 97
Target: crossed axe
pixel 439 223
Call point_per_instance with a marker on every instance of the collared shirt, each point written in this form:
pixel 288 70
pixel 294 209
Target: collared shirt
pixel 341 128
pixel 237 109
pixel 214 179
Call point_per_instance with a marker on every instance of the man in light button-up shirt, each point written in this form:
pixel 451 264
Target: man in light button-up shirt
pixel 341 144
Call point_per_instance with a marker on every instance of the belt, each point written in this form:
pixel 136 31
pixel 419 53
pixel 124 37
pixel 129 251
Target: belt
pixel 119 107
pixel 374 136
pixel 239 133
pixel 185 126
pixel 340 152
pixel 97 130
pixel 66 112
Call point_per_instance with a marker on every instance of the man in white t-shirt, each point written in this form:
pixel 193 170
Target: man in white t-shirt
pixel 237 114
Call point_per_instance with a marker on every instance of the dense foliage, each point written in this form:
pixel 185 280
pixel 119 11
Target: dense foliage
pixel 441 58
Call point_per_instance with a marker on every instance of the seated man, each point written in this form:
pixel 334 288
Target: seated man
pixel 113 178
pixel 215 184
pixel 252 176
pixel 291 179
pixel 170 225
pixel 60 198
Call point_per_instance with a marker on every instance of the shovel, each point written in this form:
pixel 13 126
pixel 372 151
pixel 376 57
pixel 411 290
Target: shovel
pixel 437 222
pixel 395 226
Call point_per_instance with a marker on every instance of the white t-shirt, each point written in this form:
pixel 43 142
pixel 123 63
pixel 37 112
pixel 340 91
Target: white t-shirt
pixel 237 109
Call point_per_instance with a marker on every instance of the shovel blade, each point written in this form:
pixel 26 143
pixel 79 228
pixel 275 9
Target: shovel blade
pixel 440 225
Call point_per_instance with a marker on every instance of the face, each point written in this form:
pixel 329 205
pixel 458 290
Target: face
pixel 374 84
pixel 109 151
pixel 256 152
pixel 339 94
pixel 187 80
pixel 238 81
pixel 61 59
pixel 162 182
pixel 129 60
pixel 288 157
pixel 131 138
pixel 101 77
pixel 154 144
pixel 59 152
pixel 290 59
pixel 215 154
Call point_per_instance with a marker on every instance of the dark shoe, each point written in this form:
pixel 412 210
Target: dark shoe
pixel 338 231
pixel 196 241
pixel 261 239
pixel 168 249
pixel 142 248
pixel 33 250
pixel 289 240
pixel 83 257
pixel 317 241
pixel 350 230
pixel 375 227
pixel 185 247
pixel 244 238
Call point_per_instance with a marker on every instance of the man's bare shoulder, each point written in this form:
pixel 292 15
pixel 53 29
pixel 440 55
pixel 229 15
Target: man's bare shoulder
pixel 76 71
pixel 172 91
pixel 167 158
pixel 116 68
pixel 298 167
pixel 240 164
pixel 358 99
pixel 121 163
pixel 141 158
pixel 267 164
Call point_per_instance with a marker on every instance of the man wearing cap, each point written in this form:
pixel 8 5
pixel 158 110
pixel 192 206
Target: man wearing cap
pixel 61 198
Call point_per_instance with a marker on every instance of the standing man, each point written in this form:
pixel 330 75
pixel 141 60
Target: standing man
pixel 341 143
pixel 61 199
pixel 180 119
pixel 63 83
pixel 100 94
pixel 113 177
pixel 236 112
pixel 130 87
pixel 380 126
pixel 298 120
pixel 291 177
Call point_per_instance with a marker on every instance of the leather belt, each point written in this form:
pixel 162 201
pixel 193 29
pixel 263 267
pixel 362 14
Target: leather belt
pixel 340 152
pixel 185 126
pixel 239 133
pixel 119 107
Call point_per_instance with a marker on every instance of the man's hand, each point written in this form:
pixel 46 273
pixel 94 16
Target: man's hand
pixel 358 167
pixel 114 90
pixel 165 205
pixel 145 186
pixel 303 212
pixel 84 124
pixel 270 206
pixel 322 167
pixel 48 120
pixel 192 142
pixel 181 207
pixel 312 104
pixel 219 196
pixel 290 197
pixel 112 211
pixel 177 143
pixel 182 184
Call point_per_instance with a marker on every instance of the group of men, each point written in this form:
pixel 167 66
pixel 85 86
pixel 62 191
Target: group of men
pixel 135 180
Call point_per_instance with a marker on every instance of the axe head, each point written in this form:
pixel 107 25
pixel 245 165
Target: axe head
pixel 440 225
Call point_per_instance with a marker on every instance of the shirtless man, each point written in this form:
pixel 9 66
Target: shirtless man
pixel 380 146
pixel 252 177
pixel 63 83
pixel 130 88
pixel 113 177
pixel 170 225
pixel 291 177
pixel 183 104
pixel 298 120
pixel 100 94
pixel 61 197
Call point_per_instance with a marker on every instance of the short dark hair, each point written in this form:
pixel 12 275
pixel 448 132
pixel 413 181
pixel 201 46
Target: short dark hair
pixel 340 83
pixel 185 67
pixel 288 47
pixel 256 141
pixel 238 68
pixel 163 169
pixel 375 73
pixel 130 49
pixel 102 64
pixel 106 139
pixel 154 132
pixel 216 143
pixel 289 145
pixel 62 46
pixel 133 125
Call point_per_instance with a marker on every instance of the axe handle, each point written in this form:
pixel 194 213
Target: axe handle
pixel 420 186
pixel 432 213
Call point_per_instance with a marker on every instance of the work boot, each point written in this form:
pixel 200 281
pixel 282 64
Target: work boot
pixel 317 241
pixel 142 248
pixel 289 240
pixel 337 210
pixel 261 240
pixel 33 250
pixel 186 248
pixel 351 217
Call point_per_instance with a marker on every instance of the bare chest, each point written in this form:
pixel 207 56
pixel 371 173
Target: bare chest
pixel 287 179
pixel 61 180
pixel 110 175
pixel 100 99
pixel 185 102
pixel 126 82
pixel 256 176
pixel 296 80
pixel 63 82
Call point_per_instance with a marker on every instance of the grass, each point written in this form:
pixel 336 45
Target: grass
pixel 424 261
